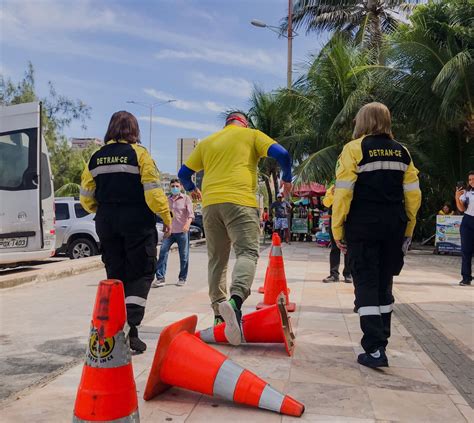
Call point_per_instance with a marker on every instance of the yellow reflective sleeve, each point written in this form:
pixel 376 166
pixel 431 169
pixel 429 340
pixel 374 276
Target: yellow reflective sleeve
pixel 87 193
pixel 328 198
pixel 411 188
pixel 154 195
pixel 346 177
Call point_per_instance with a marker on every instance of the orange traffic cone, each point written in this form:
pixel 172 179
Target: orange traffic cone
pixel 183 360
pixel 269 325
pixel 107 389
pixel 275 281
pixel 275 240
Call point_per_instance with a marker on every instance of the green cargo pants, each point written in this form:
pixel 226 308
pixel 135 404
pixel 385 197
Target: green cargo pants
pixel 229 225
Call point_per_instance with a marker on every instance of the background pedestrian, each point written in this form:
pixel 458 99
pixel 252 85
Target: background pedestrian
pixel 335 254
pixel 281 210
pixel 181 207
pixel 465 203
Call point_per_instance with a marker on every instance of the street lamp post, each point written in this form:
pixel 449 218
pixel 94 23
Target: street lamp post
pixel 290 35
pixel 150 106
pixel 289 73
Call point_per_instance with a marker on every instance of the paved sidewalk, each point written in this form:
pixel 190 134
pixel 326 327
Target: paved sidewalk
pixel 323 372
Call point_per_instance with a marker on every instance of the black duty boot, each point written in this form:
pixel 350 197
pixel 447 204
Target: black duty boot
pixel 373 360
pixel 137 345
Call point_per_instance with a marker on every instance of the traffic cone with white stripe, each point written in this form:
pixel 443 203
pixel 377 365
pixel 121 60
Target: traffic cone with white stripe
pixel 183 360
pixel 275 280
pixel 275 240
pixel 268 325
pixel 107 391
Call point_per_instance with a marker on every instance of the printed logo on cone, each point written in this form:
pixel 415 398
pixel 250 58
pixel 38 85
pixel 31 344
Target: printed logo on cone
pixel 107 391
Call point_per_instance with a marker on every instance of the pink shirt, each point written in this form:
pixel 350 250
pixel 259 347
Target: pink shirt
pixel 182 209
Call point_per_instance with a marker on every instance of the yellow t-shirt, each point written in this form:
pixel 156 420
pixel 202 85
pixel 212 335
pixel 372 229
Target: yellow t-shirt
pixel 229 159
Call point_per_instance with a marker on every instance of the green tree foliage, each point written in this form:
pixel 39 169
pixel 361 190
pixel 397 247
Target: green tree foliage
pixel 426 79
pixel 363 21
pixel 429 85
pixel 58 113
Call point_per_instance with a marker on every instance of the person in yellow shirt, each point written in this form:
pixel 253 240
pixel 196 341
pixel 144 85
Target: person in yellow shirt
pixel 376 200
pixel 446 210
pixel 229 159
pixel 121 185
pixel 335 254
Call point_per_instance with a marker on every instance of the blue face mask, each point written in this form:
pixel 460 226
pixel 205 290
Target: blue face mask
pixel 175 190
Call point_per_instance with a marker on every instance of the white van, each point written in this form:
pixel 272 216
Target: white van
pixel 27 230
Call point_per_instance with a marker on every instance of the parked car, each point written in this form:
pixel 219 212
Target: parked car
pixel 75 229
pixel 198 222
pixel 195 232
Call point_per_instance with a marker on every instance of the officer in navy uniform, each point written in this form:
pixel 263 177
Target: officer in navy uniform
pixel 121 185
pixel 376 200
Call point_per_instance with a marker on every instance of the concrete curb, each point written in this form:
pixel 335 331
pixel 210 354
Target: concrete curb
pixel 60 269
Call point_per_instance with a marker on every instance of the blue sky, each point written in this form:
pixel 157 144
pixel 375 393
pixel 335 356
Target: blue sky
pixel 203 53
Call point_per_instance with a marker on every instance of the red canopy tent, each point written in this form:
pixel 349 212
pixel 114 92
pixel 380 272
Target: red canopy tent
pixel 313 189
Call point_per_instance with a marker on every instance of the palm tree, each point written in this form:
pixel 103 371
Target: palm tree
pixel 364 21
pixel 267 115
pixel 430 79
pixel 326 100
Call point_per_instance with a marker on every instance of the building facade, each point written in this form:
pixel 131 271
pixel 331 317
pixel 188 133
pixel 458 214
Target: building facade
pixel 83 143
pixel 184 147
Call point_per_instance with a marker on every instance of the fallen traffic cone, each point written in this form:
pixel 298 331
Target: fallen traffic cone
pixel 269 325
pixel 275 281
pixel 183 360
pixel 107 389
pixel 275 240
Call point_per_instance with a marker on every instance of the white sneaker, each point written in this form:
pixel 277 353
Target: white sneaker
pixel 181 282
pixel 232 318
pixel 158 283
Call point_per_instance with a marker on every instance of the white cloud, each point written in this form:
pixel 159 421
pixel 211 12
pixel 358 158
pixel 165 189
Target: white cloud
pixel 184 124
pixel 57 25
pixel 195 106
pixel 234 87
pixel 255 59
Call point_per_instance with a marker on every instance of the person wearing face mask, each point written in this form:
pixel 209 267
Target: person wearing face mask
pixel 181 208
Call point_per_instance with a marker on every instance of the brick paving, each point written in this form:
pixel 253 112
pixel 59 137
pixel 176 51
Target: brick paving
pixel 432 334
pixel 453 362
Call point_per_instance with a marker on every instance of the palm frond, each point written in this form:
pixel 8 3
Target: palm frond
pixel 319 166
pixel 68 190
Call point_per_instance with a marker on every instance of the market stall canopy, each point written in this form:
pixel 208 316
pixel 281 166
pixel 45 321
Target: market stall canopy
pixel 313 189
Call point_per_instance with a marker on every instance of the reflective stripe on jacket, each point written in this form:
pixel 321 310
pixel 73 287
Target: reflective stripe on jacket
pixel 123 173
pixel 375 172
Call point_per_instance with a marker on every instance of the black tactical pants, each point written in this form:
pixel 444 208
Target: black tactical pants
pixel 373 263
pixel 335 260
pixel 130 256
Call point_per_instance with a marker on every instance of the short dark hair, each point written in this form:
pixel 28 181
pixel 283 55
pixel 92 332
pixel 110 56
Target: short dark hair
pixel 470 173
pixel 123 126
pixel 237 112
pixel 175 180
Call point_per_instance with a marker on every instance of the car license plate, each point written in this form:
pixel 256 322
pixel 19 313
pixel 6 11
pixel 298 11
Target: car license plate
pixel 13 242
